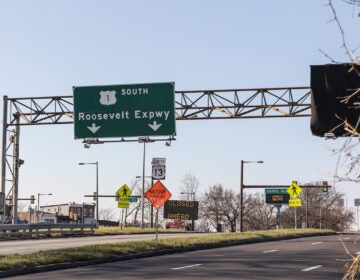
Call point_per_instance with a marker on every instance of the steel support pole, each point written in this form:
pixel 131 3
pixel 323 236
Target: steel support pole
pixel 97 191
pixel 152 208
pixel 143 189
pixel 241 194
pixel 3 158
pixel 307 211
pixel 38 208
pixel 15 187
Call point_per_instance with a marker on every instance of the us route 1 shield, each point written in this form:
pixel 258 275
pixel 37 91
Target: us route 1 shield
pixel 124 110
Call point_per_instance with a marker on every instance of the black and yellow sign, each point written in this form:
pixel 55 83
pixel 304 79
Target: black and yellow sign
pixel 181 209
pixel 294 190
pixel 277 198
pixel 295 202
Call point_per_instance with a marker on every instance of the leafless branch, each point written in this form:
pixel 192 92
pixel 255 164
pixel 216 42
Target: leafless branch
pixel 336 19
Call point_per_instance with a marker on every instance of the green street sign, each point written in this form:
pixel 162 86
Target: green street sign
pixel 132 199
pixel 275 191
pixel 124 110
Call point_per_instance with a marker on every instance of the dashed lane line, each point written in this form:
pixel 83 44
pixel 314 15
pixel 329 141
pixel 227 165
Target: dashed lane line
pixel 187 266
pixel 311 268
pixel 269 251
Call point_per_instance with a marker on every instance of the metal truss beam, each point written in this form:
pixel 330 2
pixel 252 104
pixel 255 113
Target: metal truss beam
pixel 189 105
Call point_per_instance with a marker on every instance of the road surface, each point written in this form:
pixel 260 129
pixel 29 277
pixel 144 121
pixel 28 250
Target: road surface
pixel 303 258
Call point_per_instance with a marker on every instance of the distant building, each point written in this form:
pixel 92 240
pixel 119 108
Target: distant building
pixel 70 212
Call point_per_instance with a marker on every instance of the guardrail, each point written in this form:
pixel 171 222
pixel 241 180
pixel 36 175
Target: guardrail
pixel 38 230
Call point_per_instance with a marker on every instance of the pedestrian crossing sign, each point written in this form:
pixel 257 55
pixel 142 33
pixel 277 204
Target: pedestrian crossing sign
pixel 124 192
pixel 294 190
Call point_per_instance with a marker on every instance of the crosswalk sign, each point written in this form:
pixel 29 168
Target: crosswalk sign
pixel 294 190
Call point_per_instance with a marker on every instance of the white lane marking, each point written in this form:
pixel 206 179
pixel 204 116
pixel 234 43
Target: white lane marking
pixel 270 251
pixel 316 243
pixel 346 238
pixel 357 253
pixel 311 268
pixel 188 266
pixel 343 260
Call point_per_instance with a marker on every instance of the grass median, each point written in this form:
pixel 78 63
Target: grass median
pixel 119 250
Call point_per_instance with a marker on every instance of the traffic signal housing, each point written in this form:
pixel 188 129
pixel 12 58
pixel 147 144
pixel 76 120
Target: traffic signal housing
pixel 32 199
pixel 94 196
pixel 325 186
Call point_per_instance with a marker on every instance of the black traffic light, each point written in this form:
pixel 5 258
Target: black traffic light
pixel 330 85
pixel 325 186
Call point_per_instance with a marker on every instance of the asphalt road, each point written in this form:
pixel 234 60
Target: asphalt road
pixel 304 258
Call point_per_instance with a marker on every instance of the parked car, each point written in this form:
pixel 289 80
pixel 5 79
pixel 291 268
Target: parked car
pixel 178 223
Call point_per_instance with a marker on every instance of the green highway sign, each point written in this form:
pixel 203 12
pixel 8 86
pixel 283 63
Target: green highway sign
pixel 275 191
pixel 124 110
pixel 132 199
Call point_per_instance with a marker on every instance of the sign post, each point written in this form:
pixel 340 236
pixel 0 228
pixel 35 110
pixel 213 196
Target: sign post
pixel 294 190
pixel 158 194
pixel 124 110
pixel 357 204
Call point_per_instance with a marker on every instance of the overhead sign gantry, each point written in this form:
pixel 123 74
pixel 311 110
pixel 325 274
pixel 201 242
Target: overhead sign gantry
pixel 186 105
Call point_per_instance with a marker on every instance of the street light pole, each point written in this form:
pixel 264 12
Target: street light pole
pixel 38 201
pixel 97 185
pixel 143 189
pixel 143 140
pixel 138 177
pixel 241 190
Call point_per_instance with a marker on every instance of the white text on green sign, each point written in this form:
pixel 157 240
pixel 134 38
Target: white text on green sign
pixel 275 191
pixel 124 110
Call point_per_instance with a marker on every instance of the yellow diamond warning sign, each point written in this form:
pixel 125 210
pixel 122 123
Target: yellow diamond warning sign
pixel 124 191
pixel 294 190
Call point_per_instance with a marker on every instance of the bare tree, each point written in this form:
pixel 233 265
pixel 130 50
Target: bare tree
pixel 221 207
pixel 189 186
pixel 134 211
pixel 106 214
pixel 257 214
pixel 348 165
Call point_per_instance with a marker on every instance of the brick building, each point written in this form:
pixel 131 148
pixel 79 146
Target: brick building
pixel 70 212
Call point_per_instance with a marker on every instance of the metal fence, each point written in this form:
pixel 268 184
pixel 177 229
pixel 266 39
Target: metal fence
pixel 40 230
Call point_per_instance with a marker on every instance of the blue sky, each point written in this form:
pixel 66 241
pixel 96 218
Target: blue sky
pixel 47 47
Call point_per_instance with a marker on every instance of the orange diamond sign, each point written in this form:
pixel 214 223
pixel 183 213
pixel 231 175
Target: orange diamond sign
pixel 158 194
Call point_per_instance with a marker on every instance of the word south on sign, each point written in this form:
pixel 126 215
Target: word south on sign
pixel 124 110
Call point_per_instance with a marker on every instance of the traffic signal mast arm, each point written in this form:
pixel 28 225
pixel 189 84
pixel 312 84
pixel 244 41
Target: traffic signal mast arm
pixel 113 196
pixel 280 186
